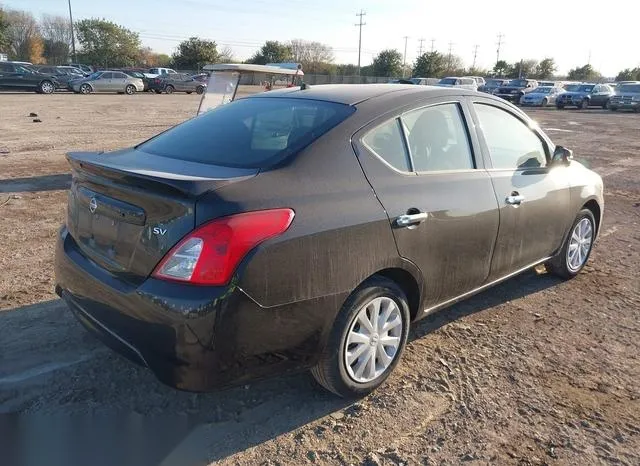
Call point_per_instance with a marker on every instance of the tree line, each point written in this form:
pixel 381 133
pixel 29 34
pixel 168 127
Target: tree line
pixel 106 44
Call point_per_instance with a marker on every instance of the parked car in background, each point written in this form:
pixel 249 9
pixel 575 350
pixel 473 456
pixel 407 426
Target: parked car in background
pixel 424 81
pixel 195 253
pixel 492 85
pixel 62 74
pixel 108 81
pixel 549 84
pixel 155 72
pixel 513 90
pixel 541 96
pixel 464 83
pixel 480 81
pixel 626 97
pixel 86 69
pixel 20 77
pixel 137 74
pixel 585 95
pixel 177 82
pixel 201 77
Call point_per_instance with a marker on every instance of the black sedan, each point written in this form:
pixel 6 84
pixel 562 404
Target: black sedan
pixel 62 74
pixel 18 77
pixel 307 228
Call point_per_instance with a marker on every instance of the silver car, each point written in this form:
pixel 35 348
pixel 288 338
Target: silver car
pixel 107 81
pixel 465 83
pixel 541 96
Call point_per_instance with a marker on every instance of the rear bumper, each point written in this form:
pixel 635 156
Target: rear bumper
pixel 192 338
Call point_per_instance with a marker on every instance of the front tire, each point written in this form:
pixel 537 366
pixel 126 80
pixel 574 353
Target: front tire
pixel 46 87
pixel 560 106
pixel 367 339
pixel 157 91
pixel 545 102
pixel 577 247
pixel 606 105
pixel 585 104
pixel 130 89
pixel 199 89
pixel 85 89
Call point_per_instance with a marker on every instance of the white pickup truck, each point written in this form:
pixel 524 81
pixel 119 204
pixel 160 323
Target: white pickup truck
pixel 155 72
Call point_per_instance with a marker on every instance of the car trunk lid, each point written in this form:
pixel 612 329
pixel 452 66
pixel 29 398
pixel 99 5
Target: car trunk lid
pixel 127 208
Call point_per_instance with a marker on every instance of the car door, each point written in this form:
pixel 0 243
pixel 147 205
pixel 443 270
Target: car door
pixel 533 196
pixel 425 167
pixel 103 82
pixel 6 72
pixel 118 81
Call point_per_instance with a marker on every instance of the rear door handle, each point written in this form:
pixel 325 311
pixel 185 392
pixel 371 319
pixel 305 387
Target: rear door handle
pixel 514 199
pixel 411 219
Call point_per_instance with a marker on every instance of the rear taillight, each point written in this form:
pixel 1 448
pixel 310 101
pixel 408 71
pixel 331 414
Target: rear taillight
pixel 210 254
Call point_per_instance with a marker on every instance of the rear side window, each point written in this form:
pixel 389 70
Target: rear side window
pixel 386 142
pixel 438 139
pixel 249 133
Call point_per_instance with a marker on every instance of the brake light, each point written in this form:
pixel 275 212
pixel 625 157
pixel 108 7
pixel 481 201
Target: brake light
pixel 210 254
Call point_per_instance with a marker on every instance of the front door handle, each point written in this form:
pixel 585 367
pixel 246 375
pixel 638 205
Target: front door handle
pixel 408 220
pixel 514 199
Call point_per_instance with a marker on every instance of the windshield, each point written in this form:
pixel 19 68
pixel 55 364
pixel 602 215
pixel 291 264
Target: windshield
pixel 249 133
pixel 572 87
pixel 542 90
pixel 495 82
pixel 415 80
pixel 95 75
pixel 448 81
pixel 630 88
pixel 587 88
pixel 518 83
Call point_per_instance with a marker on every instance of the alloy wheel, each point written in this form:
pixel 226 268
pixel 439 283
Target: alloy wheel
pixel 373 340
pixel 579 244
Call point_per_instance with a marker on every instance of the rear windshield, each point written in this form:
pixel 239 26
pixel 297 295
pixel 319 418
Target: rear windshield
pixel 448 81
pixel 249 133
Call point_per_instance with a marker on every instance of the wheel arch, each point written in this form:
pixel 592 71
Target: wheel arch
pixel 596 210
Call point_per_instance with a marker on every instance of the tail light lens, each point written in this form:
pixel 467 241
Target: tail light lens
pixel 210 254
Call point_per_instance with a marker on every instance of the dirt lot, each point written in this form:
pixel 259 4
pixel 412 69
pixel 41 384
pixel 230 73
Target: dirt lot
pixel 535 371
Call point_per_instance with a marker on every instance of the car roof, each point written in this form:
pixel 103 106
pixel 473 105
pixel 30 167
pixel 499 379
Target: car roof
pixel 352 94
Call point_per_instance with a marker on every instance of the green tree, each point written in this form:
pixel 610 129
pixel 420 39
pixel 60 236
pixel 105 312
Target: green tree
pixel 584 73
pixel 4 25
pixel 523 68
pixel 271 52
pixel 21 32
pixel 346 70
pixel 430 65
pixel 629 75
pixel 162 59
pixel 56 35
pixel 106 43
pixel 194 53
pixel 546 69
pixel 387 63
pixel 502 68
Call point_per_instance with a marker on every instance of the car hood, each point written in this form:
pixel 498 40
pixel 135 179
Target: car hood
pixel 626 94
pixel 510 88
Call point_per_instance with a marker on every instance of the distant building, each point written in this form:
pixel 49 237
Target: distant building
pixel 4 57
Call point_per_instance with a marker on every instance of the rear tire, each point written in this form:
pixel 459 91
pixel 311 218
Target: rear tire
pixel 46 87
pixel 605 105
pixel 199 89
pixel 565 264
pixel 157 91
pixel 333 371
pixel 545 102
pixel 189 92
pixel 584 104
pixel 560 106
pixel 169 89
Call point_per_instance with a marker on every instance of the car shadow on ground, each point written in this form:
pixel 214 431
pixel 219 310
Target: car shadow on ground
pixel 49 362
pixel 36 183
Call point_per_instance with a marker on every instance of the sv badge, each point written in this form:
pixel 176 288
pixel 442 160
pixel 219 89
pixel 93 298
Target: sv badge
pixel 159 231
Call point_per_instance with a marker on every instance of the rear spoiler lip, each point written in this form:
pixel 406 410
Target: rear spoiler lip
pixel 140 168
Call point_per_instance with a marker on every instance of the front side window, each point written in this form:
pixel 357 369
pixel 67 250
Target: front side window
pixel 386 142
pixel 512 144
pixel 438 139
pixel 106 76
pixel 249 133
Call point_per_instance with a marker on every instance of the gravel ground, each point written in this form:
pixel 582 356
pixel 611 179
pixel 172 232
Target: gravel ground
pixel 534 371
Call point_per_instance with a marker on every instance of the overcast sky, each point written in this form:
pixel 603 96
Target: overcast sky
pixel 571 31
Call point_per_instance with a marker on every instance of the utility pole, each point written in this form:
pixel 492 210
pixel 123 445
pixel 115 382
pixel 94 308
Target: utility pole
pixel 404 58
pixel 73 38
pixel 475 55
pixel 359 24
pixel 420 48
pixel 589 60
pixel 433 45
pixel 450 56
pixel 500 43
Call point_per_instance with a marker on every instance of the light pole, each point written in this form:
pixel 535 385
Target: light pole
pixel 73 37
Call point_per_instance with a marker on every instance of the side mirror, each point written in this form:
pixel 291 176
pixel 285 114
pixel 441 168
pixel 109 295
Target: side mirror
pixel 561 155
